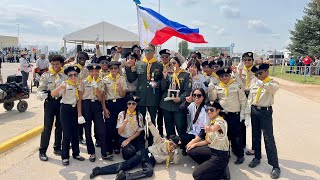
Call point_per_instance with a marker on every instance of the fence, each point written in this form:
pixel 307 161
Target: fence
pixel 311 70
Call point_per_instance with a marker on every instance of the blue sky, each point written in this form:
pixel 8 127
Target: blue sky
pixel 250 24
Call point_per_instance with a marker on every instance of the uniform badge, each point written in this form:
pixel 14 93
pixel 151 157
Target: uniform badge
pixel 94 67
pixel 75 67
pixel 257 66
pixel 250 54
pixel 225 69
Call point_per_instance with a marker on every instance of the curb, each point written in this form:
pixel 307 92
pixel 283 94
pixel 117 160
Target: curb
pixel 19 139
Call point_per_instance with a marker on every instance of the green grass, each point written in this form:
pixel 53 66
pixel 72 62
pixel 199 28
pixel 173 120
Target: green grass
pixel 294 77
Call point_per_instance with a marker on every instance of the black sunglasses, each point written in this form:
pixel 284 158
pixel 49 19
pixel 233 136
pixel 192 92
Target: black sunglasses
pixel 247 59
pixel 210 109
pixel 224 75
pixel 72 75
pixel 164 56
pixel 258 73
pixel 82 58
pixel 131 103
pixel 197 95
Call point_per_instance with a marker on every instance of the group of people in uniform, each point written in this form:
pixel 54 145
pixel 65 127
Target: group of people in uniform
pixel 204 107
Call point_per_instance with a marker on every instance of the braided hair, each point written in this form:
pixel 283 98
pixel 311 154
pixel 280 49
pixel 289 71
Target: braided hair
pixel 137 115
pixel 196 116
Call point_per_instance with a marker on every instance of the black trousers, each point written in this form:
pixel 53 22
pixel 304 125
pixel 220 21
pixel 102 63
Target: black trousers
pixel 92 111
pixel 51 111
pixel 133 147
pixel 185 139
pixel 235 133
pixel 261 120
pixel 173 120
pixel 160 120
pixel 141 157
pixel 112 139
pixel 153 113
pixel 69 123
pixel 200 154
pixel 214 168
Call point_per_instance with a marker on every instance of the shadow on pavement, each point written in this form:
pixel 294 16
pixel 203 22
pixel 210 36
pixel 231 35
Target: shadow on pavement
pixel 7 116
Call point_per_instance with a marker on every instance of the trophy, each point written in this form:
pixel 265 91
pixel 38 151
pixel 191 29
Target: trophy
pixel 173 92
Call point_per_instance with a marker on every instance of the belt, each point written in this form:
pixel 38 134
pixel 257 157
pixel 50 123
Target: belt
pixel 226 112
pixel 219 152
pixel 91 100
pixel 262 108
pixel 73 105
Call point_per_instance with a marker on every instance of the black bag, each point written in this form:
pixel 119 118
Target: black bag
pixel 14 78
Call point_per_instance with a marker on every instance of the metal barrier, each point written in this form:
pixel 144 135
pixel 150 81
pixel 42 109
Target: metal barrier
pixel 305 71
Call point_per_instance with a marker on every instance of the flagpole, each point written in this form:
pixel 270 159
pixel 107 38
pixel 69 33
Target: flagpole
pixel 138 24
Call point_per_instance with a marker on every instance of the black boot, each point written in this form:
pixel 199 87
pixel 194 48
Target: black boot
pixel 95 172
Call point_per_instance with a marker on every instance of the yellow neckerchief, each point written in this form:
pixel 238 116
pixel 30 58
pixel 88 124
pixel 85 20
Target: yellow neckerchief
pixel 79 66
pixel 165 66
pixel 212 75
pixel 131 114
pixel 56 74
pixel 247 75
pixel 175 77
pixel 266 80
pixel 90 79
pixel 168 149
pixel 114 82
pixel 225 86
pixel 145 60
pixel 103 73
pixel 75 86
pixel 212 123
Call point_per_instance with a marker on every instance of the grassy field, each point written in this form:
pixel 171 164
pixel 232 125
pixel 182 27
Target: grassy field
pixel 294 77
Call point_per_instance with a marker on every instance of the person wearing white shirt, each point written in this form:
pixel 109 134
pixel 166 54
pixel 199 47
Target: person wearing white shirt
pixel 24 68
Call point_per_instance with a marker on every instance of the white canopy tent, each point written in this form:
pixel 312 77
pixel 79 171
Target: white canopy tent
pixel 106 33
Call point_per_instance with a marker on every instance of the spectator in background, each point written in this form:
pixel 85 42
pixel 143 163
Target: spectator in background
pixel 1 80
pixel 221 60
pixel 292 63
pixel 307 62
pixel 24 68
pixel 228 61
pixel 260 60
pixel 317 64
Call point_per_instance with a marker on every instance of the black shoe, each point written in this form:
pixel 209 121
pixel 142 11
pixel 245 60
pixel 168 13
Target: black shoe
pixel 254 163
pixel 275 173
pixel 250 152
pixel 43 157
pixel 108 157
pixel 94 172
pixel 97 144
pixel 121 175
pixel 57 152
pixel 239 160
pixel 92 158
pixel 117 151
pixel 109 153
pixel 79 158
pixel 184 152
pixel 82 141
pixel 65 162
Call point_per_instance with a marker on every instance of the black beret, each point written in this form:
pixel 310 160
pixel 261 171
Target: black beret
pixel 247 54
pixel 93 66
pixel 114 63
pixel 132 54
pixel 132 98
pixel 71 68
pixel 262 66
pixel 214 104
pixel 164 51
pixel 205 63
pixel 176 139
pixel 223 70
pixel 101 58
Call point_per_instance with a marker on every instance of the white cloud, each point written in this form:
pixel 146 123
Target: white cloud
pixel 51 24
pixel 220 31
pixel 197 23
pixel 223 2
pixel 187 2
pixel 229 12
pixel 259 26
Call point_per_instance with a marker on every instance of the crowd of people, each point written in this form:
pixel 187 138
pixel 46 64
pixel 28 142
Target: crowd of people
pixel 204 105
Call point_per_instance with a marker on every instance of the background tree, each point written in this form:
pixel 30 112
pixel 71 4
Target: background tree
pixel 213 52
pixel 183 48
pixel 306 34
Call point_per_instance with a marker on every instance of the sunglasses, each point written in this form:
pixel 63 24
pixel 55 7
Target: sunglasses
pixel 148 50
pixel 72 75
pixel 258 73
pixel 131 58
pixel 82 58
pixel 164 56
pixel 224 75
pixel 210 109
pixel 197 95
pixel 105 62
pixel 114 68
pixel 131 103
pixel 247 59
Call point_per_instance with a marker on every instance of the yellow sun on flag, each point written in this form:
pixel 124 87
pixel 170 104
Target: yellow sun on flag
pixel 145 23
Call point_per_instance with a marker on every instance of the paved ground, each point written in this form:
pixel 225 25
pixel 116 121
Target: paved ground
pixel 296 122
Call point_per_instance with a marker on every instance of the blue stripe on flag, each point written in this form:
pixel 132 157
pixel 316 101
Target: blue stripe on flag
pixel 137 1
pixel 177 26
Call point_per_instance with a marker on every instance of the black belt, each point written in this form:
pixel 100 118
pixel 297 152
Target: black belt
pixel 91 100
pixel 231 112
pixel 219 152
pixel 262 108
pixel 54 98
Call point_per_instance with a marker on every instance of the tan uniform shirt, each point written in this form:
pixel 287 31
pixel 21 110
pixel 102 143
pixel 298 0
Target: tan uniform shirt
pixel 103 74
pixel 131 127
pixel 217 140
pixel 159 147
pixel 235 101
pixel 69 95
pixel 1 80
pixel 84 73
pixel 48 81
pixel 266 95
pixel 88 91
pixel 109 88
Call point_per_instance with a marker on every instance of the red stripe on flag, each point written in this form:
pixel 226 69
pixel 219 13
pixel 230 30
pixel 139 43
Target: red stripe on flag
pixel 166 33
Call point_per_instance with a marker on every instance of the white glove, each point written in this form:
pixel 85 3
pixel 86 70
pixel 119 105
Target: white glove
pixel 172 53
pixel 81 120
pixel 240 65
pixel 58 82
pixel 94 84
pixel 242 117
pixel 259 83
pixel 247 120
pixel 210 87
pixel 42 96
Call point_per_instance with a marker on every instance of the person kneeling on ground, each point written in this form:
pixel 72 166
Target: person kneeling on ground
pixel 161 150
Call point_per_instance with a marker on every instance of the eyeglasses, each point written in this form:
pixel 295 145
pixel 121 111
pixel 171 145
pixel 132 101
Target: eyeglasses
pixel 224 75
pixel 210 109
pixel 258 73
pixel 197 95
pixel 104 62
pixel 247 59
pixel 148 50
pixel 131 103
pixel 164 56
pixel 72 75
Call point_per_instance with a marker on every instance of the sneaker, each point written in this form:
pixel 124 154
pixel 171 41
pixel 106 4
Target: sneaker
pixel 79 158
pixel 65 162
pixel 254 163
pixel 43 157
pixel 275 173
pixel 121 175
pixel 239 160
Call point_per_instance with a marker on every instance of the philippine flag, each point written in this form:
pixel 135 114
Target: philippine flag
pixel 156 29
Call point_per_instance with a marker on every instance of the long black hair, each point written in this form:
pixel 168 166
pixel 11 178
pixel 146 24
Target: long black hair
pixel 137 115
pixel 196 116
